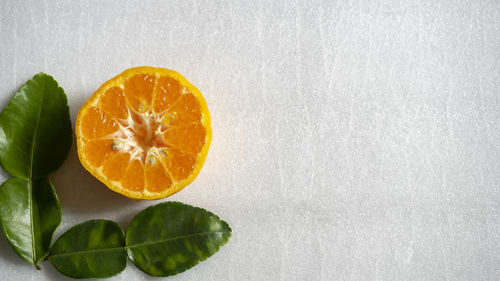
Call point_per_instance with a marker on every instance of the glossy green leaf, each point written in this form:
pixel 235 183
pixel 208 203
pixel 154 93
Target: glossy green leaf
pixel 172 237
pixel 93 249
pixel 35 129
pixel 29 215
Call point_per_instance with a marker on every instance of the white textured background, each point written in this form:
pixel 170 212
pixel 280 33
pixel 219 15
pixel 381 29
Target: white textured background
pixel 353 140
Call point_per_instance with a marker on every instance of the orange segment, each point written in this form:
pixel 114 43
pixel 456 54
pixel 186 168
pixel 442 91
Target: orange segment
pixel 157 179
pixel 167 91
pixel 139 91
pixel 189 139
pixel 113 103
pixel 186 110
pixel 133 179
pixel 113 168
pixel 179 164
pixel 145 133
pixel 95 124
pixel 96 151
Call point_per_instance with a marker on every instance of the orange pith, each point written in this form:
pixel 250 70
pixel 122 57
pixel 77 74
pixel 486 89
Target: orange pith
pixel 145 133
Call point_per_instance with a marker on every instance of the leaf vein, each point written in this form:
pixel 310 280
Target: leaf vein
pixel 36 130
pixel 30 182
pixel 84 252
pixel 173 238
pixel 131 246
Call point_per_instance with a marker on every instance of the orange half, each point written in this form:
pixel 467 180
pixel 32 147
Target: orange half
pixel 145 133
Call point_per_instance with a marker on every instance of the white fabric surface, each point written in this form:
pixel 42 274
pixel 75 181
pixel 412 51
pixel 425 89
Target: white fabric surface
pixel 352 140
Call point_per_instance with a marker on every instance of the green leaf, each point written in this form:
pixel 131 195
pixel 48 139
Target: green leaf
pixel 29 215
pixel 93 249
pixel 171 237
pixel 35 129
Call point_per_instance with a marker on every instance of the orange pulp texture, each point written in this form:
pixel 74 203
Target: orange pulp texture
pixel 145 133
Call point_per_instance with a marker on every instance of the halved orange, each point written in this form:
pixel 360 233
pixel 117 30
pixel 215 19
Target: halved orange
pixel 145 133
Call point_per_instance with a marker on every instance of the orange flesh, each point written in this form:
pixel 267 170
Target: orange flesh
pixel 146 135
